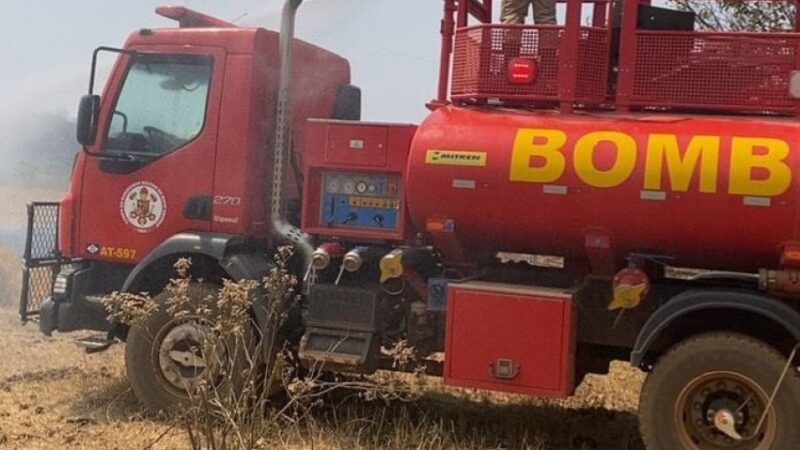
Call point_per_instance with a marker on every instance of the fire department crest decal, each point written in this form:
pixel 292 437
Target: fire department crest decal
pixel 143 206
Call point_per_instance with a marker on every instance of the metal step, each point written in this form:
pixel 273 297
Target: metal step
pixel 95 343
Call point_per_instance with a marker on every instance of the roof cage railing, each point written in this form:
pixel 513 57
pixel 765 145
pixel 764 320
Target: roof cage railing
pixel 718 71
pixel 570 61
pixel 481 10
pixel 628 58
pixel 463 9
pixel 564 68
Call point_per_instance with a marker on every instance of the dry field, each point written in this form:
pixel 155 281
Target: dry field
pixel 53 396
pixel 14 199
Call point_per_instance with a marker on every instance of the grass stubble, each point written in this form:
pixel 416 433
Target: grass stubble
pixel 54 396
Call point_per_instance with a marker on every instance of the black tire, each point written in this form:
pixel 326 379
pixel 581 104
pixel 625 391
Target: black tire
pixel 667 416
pixel 142 356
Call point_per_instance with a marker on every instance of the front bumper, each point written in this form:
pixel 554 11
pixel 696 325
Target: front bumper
pixel 55 289
pixel 80 313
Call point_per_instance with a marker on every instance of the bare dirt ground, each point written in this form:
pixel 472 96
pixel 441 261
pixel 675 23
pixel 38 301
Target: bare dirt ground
pixel 54 396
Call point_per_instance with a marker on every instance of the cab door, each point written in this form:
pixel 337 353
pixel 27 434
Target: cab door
pixel 152 173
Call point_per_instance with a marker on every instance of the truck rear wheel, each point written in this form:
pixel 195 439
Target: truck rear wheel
pixel 710 393
pixel 168 357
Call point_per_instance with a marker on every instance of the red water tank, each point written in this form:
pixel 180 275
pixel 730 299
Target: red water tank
pixel 711 191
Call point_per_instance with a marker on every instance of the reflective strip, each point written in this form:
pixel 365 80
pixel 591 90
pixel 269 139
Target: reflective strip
pixel 555 189
pixel 653 195
pixel 464 184
pixel 757 201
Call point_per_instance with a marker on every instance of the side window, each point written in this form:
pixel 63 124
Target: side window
pixel 162 104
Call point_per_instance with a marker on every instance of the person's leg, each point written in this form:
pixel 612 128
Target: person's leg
pixel 514 11
pixel 544 12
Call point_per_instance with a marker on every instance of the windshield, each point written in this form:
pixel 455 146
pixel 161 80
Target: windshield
pixel 162 104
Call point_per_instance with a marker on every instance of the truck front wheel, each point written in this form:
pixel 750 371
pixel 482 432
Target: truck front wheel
pixel 169 358
pixel 712 392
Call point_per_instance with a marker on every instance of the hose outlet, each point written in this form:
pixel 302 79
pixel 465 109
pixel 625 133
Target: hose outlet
pixel 353 260
pixel 322 256
pixel 391 265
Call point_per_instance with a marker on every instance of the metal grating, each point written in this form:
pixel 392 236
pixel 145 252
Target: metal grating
pixel 593 61
pixel 747 72
pixel 42 259
pixel 481 55
pixel 42 240
pixel 38 285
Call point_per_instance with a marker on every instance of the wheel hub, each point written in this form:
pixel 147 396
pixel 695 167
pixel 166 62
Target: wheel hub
pixel 189 355
pixel 721 411
pixel 726 423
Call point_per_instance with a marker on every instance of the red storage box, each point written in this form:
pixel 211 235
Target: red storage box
pixel 510 338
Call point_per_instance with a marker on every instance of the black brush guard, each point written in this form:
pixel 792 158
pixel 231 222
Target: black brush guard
pixel 42 260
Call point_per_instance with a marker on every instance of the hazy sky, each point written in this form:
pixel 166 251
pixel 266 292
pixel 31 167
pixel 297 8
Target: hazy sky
pixel 392 45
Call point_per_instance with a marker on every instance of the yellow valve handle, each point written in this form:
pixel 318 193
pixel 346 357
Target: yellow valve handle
pixel 627 296
pixel 391 265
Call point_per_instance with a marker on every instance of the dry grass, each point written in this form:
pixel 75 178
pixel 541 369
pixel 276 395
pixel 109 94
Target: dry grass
pixel 53 396
pixel 12 208
pixel 10 272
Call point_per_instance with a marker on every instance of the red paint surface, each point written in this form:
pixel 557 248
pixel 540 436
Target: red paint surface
pixel 230 157
pixel 713 230
pixel 328 147
pixel 534 329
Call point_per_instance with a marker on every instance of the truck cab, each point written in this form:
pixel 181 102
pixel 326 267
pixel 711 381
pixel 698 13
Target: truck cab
pixel 579 193
pixel 177 146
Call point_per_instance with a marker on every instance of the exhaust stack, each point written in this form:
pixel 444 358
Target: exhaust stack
pixel 280 225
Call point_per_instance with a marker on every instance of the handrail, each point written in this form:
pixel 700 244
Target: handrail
pixel 633 84
pixel 746 92
pixel 479 9
pixel 482 53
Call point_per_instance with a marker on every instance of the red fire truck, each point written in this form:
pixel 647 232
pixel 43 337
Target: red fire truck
pixel 537 225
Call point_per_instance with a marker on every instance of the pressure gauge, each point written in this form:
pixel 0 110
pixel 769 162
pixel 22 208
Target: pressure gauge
pixel 361 187
pixel 371 189
pixel 333 186
pixel 349 186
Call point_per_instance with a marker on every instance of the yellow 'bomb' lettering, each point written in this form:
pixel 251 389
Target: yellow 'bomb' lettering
pixel 744 159
pixel 663 148
pixel 758 166
pixel 527 146
pixel 623 165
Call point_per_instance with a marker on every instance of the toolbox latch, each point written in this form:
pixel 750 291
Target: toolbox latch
pixel 504 369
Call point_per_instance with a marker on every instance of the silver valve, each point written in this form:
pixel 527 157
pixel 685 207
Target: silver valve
pixel 352 262
pixel 320 259
pixel 322 256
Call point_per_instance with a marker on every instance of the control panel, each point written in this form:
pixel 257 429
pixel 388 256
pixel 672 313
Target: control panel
pixel 353 180
pixel 360 200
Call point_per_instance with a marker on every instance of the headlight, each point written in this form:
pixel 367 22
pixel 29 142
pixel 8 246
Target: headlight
pixel 60 285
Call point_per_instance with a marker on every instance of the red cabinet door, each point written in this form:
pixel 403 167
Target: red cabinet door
pixel 510 338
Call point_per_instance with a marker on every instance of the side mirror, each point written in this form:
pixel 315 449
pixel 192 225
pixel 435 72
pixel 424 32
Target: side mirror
pixel 348 103
pixel 88 113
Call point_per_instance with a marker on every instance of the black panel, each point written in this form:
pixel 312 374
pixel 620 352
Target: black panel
pixel 198 208
pixel 348 103
pixel 123 163
pixel 342 323
pixel 344 307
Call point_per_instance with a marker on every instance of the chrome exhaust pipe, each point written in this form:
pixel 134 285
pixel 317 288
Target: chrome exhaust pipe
pixel 280 226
